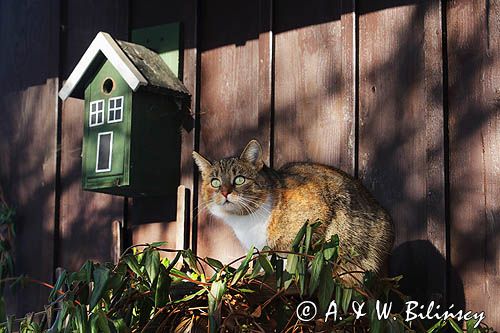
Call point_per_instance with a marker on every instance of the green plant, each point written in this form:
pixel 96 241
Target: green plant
pixel 7 234
pixel 145 293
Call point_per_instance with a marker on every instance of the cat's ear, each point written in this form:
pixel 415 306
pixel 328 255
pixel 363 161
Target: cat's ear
pixel 203 164
pixel 253 154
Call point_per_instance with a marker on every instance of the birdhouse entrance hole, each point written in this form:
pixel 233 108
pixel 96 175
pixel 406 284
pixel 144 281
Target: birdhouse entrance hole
pixel 108 85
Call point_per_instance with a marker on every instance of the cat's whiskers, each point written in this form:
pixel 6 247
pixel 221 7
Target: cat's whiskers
pixel 245 207
pixel 258 205
pixel 259 211
pixel 250 204
pixel 201 207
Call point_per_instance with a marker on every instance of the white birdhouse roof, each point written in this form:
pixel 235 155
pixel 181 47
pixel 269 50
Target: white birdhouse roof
pixel 138 66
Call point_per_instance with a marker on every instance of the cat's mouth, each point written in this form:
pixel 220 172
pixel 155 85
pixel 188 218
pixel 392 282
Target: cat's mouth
pixel 225 207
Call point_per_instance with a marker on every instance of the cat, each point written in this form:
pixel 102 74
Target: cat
pixel 264 206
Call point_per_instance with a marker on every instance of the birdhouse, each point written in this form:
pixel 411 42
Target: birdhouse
pixel 131 137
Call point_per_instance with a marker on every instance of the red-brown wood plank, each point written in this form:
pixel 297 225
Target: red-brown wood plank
pixel 348 83
pixel 401 147
pixel 314 120
pixel 190 78
pixel 148 233
pixel 29 35
pixel 474 125
pixel 234 106
pixel 86 218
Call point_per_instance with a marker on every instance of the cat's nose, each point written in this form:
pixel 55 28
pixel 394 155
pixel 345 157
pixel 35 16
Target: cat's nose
pixel 225 192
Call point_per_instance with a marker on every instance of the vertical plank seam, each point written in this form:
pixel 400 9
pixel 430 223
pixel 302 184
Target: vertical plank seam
pixel 272 38
pixel 56 260
pixel 356 86
pixel 197 124
pixel 446 148
pixel 126 238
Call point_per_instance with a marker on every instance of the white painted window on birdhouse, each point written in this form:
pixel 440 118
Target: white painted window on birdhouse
pixel 96 113
pixel 115 109
pixel 104 152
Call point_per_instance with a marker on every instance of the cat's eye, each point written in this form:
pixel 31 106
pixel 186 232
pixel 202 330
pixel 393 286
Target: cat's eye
pixel 239 180
pixel 215 183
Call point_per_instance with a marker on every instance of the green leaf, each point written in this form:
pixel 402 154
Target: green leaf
pixel 255 269
pixel 470 326
pixel 246 291
pixel 217 290
pixel 279 272
pixel 189 297
pixel 330 253
pixel 266 264
pixel 375 323
pixel 61 317
pixel 132 263
pixel 102 323
pixel 94 327
pixel 326 285
pixel 179 273
pixel 369 279
pixel 116 281
pixel 83 294
pixel 157 244
pixel 80 319
pixel 291 263
pixel 165 262
pixel 454 325
pixel 3 315
pixel 346 320
pixel 101 277
pixel 298 237
pixel 216 264
pixel 346 299
pixel 317 266
pixel 309 232
pixel 83 275
pixel 330 248
pixel 301 276
pixel 151 261
pixel 57 286
pixel 287 280
pixel 240 272
pixel 162 288
pixel 437 326
pixel 87 268
pixel 10 323
pixel 190 259
pixel 120 326
pixel 338 294
pixel 174 262
pixel 396 326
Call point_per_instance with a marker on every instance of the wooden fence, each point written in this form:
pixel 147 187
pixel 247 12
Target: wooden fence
pixel 403 94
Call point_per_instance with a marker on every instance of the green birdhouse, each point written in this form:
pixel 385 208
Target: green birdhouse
pixel 131 140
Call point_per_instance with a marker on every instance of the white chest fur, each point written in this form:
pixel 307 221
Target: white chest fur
pixel 250 229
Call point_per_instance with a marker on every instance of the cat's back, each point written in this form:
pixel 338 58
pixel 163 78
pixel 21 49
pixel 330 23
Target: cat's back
pixel 310 192
pixel 326 187
pixel 324 178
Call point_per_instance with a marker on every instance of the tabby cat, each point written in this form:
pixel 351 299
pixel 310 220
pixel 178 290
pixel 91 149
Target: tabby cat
pixel 268 207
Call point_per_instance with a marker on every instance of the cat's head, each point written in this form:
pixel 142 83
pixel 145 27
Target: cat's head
pixel 235 185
